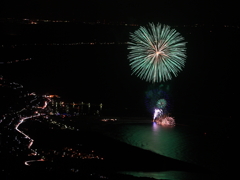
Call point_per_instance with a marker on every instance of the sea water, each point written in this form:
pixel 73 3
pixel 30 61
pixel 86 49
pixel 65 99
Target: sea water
pixel 182 142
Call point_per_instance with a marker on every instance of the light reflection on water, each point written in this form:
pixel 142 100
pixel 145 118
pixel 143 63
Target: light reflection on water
pixel 168 141
pixel 179 142
pixel 172 175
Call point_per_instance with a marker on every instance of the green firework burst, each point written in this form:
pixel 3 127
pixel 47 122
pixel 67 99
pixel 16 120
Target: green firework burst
pixel 161 103
pixel 156 53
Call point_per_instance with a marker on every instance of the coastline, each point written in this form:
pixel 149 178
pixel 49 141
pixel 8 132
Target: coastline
pixel 118 156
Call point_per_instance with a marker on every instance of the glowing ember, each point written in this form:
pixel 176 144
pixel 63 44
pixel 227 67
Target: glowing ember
pixel 162 119
pixel 157 113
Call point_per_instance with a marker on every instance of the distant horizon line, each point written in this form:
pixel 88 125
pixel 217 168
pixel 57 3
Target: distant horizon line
pixel 108 22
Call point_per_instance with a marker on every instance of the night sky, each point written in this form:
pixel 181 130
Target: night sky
pixel 166 11
pixel 207 85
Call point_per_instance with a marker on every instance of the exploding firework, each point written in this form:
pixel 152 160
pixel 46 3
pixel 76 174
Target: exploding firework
pixel 156 53
pixel 157 96
pixel 163 119
pixel 161 103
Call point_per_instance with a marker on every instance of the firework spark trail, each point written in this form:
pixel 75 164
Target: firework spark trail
pixel 156 53
pixel 157 113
